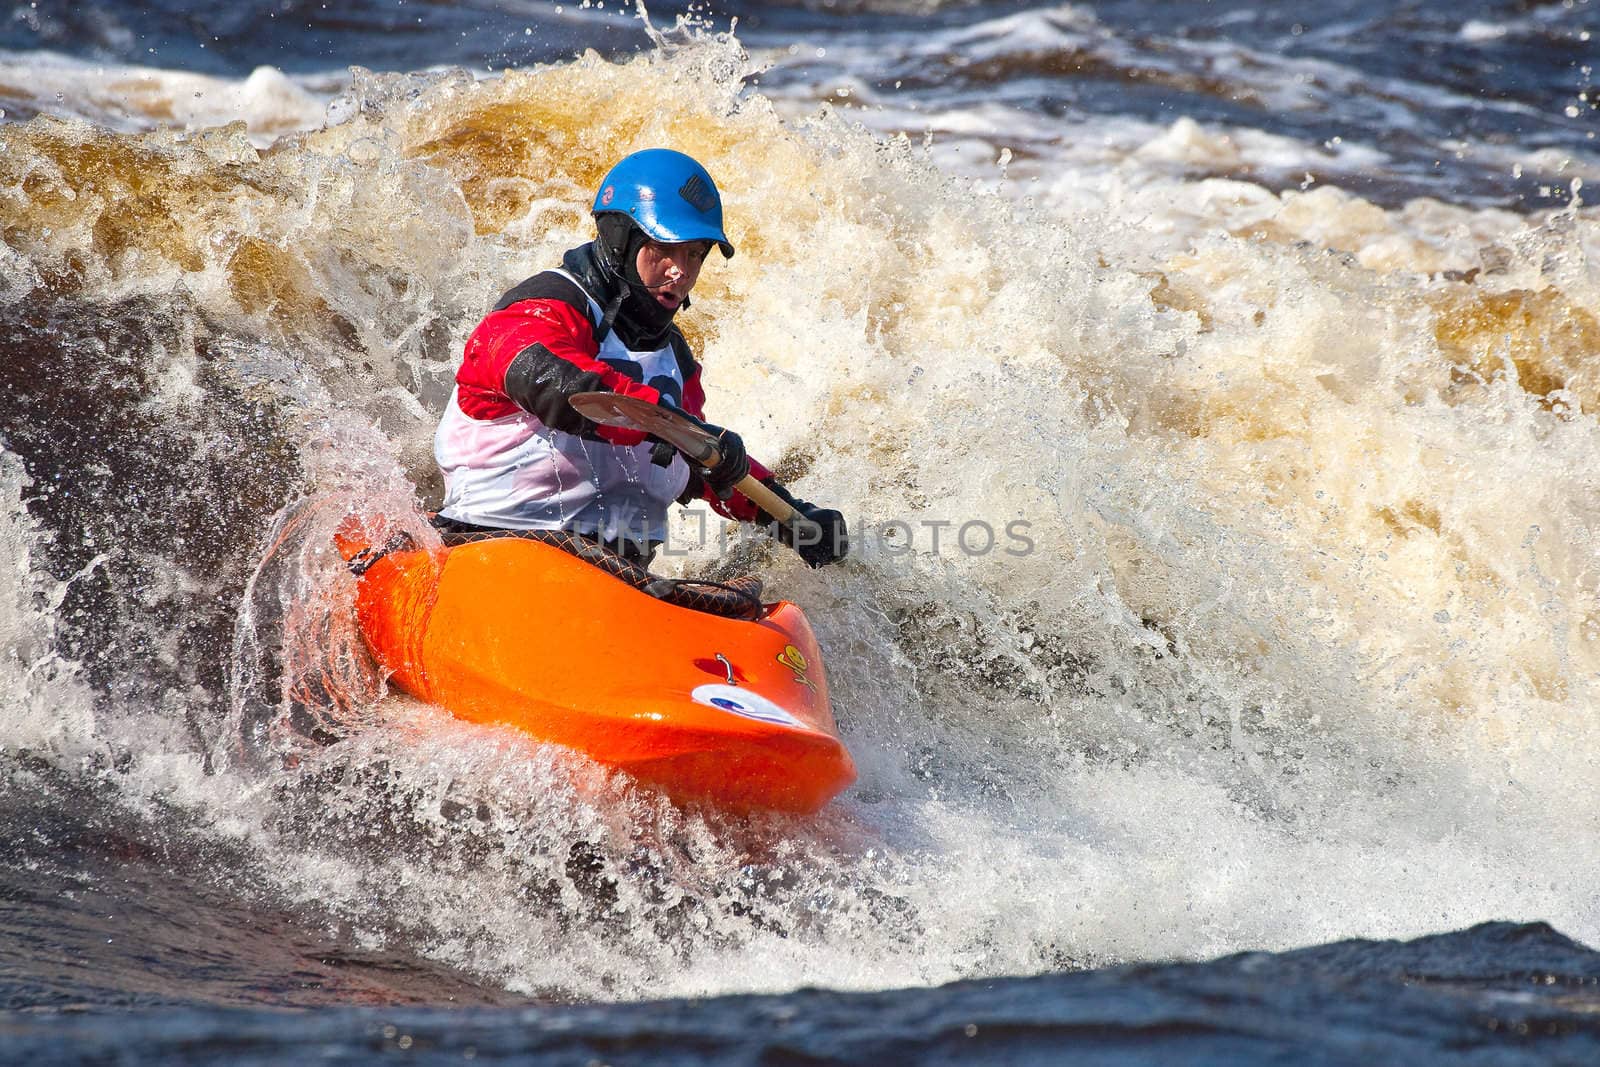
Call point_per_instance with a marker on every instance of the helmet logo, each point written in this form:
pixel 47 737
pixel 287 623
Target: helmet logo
pixel 608 194
pixel 698 193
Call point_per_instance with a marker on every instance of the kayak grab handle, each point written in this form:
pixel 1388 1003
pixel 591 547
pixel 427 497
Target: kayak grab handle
pixel 360 560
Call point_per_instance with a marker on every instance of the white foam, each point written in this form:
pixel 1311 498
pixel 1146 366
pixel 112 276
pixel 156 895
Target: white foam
pixel 46 709
pixel 1478 31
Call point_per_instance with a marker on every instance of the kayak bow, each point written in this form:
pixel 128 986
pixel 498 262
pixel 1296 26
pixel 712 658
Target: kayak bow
pixel 513 632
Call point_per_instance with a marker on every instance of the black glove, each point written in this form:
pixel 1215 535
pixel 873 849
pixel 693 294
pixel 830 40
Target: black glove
pixel 817 551
pixel 661 453
pixel 732 462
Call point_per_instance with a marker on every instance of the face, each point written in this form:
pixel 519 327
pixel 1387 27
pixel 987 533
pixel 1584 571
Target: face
pixel 670 271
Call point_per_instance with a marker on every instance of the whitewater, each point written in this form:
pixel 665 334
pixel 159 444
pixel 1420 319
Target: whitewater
pixel 1303 646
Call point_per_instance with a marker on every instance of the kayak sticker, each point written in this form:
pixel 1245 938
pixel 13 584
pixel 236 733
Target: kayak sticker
pixel 743 702
pixel 795 660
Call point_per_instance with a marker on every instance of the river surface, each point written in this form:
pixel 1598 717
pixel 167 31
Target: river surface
pixel 1275 327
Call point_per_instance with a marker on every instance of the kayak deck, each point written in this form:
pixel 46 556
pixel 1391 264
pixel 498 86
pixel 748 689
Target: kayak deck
pixel 512 632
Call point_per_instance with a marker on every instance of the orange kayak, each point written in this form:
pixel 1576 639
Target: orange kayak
pixel 513 632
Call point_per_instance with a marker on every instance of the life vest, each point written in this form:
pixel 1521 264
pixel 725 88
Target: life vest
pixel 504 467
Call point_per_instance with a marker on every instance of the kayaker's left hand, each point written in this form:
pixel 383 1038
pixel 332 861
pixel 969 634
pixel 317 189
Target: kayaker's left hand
pixel 831 547
pixel 835 541
pixel 661 453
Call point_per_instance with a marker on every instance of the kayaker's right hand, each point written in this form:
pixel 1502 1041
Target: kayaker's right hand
pixel 732 463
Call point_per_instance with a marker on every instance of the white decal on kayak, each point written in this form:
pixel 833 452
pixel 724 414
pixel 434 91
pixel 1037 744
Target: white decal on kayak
pixel 744 702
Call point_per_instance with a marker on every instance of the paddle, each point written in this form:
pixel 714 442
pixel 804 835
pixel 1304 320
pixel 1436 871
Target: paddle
pixel 699 447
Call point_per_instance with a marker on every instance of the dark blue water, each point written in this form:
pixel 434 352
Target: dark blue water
pixel 1495 994
pixel 308 35
pixel 1452 95
pixel 1402 78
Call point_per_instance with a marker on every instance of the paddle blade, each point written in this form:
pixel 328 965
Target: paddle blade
pixel 614 409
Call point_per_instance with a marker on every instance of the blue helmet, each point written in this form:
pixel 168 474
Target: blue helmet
pixel 667 195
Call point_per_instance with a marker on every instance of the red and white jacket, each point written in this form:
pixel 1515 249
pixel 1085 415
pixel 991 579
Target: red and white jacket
pixel 514 453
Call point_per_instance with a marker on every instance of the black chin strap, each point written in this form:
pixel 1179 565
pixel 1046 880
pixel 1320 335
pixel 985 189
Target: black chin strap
pixel 608 314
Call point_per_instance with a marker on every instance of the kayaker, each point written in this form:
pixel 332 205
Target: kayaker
pixel 515 456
